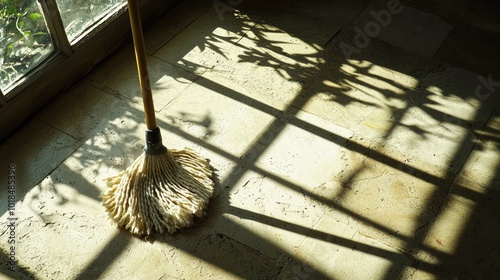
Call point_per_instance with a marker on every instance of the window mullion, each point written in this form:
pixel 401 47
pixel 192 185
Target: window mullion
pixel 55 25
pixel 2 98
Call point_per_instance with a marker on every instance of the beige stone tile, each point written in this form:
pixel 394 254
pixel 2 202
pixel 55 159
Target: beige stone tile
pixel 215 256
pixel 173 23
pixel 206 42
pixel 243 65
pixel 280 30
pixel 445 122
pixel 365 91
pixel 482 15
pixel 404 26
pixel 266 51
pixel 36 150
pixel 196 257
pixel 465 233
pixel 429 111
pixel 334 250
pixel 302 147
pixel 216 118
pixel 243 129
pixel 464 237
pixel 126 261
pixel 422 274
pixel 357 95
pixel 282 48
pixel 313 23
pixel 88 110
pixel 119 76
pixel 387 202
pixel 382 54
pixel 472 48
pixel 58 218
pixel 340 11
pixel 483 164
pixel 268 214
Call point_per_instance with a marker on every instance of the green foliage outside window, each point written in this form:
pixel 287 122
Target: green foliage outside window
pixel 24 39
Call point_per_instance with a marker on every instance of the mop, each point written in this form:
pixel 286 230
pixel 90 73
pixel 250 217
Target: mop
pixel 164 189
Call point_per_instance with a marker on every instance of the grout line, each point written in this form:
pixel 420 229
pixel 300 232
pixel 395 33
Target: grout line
pixel 349 22
pixel 179 31
pixel 81 143
pixel 448 37
pixel 479 136
pixel 63 132
pixel 334 35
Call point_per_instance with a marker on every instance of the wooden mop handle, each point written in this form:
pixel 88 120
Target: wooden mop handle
pixel 142 64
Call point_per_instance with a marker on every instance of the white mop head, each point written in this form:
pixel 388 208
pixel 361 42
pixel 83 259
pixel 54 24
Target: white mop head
pixel 160 192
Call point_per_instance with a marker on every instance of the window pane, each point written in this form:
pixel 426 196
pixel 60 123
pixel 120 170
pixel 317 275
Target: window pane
pixel 79 15
pixel 24 39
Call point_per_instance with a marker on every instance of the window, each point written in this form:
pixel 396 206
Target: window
pixel 48 45
pixel 29 28
pixel 80 15
pixel 24 40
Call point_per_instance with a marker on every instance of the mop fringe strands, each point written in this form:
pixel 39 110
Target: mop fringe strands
pixel 159 192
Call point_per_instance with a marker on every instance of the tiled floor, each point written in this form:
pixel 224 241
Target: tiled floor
pixel 339 155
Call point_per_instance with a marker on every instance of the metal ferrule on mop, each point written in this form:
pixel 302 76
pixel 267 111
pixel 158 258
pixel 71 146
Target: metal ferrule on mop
pixel 154 146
